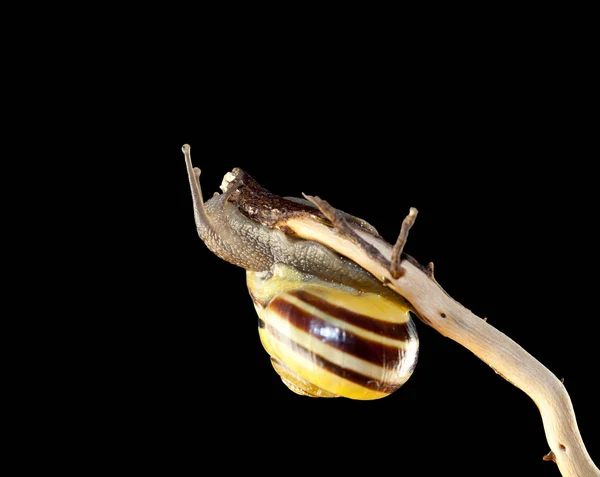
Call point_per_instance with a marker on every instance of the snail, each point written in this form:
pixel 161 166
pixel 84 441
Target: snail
pixel 330 328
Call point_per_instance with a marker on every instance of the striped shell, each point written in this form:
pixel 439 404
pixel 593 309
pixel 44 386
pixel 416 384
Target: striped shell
pixel 327 340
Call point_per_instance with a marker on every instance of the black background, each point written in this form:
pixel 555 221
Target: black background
pixel 496 155
pixel 138 348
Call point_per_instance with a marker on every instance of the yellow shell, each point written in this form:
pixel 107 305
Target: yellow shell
pixel 328 340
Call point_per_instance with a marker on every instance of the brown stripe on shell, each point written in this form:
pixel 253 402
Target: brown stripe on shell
pixel 345 373
pixel 380 354
pixel 396 331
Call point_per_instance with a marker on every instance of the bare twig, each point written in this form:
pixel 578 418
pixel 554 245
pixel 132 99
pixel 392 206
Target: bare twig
pixel 407 223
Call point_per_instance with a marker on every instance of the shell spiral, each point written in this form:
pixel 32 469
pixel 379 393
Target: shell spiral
pixel 327 340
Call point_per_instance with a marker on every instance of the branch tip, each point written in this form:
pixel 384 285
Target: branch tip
pixel 430 268
pixel 549 457
pixel 407 223
pixel 332 214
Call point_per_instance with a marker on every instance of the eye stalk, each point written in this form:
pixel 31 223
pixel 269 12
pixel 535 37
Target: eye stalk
pixel 201 217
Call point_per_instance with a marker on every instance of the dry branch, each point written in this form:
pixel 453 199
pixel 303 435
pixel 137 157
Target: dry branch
pixel 438 310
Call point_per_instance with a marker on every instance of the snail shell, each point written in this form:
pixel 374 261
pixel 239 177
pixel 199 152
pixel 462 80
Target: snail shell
pixel 328 340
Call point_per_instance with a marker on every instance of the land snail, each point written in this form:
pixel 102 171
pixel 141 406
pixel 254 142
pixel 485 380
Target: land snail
pixel 331 328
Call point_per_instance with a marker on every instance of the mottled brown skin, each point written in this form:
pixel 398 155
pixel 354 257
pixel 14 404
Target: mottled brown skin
pixel 260 205
pixel 243 226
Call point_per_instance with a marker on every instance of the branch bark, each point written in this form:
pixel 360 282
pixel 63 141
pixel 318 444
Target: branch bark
pixel 438 310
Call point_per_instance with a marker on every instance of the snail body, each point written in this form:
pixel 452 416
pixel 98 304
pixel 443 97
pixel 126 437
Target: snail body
pixel 330 328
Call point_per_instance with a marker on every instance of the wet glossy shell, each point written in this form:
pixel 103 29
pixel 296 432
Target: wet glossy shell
pixel 330 341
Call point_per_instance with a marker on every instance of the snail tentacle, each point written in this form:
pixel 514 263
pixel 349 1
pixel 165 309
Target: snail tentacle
pixel 201 217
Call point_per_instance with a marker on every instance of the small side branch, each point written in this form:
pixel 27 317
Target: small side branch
pixel 338 220
pixel 550 457
pixel 407 223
